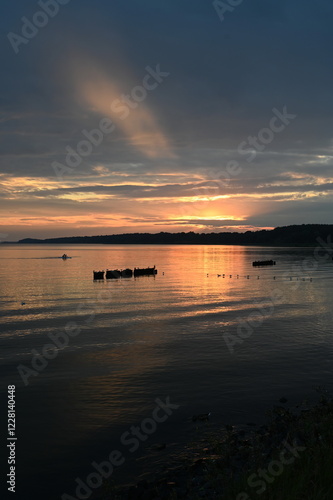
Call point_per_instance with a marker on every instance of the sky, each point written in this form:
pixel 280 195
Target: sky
pixel 164 115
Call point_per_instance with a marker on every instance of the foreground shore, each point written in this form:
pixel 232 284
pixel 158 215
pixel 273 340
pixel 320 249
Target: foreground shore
pixel 289 458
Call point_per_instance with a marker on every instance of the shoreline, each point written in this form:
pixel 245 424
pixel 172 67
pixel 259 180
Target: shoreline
pixel 246 461
pixel 304 235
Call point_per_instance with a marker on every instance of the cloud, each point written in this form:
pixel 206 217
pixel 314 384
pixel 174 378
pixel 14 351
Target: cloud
pixel 133 117
pixel 164 162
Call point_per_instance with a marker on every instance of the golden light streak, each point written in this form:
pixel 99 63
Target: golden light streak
pixel 210 217
pixel 103 95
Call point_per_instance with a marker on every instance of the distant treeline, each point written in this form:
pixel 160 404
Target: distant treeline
pixel 301 235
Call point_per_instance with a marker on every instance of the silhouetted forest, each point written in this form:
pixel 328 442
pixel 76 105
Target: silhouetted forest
pixel 300 235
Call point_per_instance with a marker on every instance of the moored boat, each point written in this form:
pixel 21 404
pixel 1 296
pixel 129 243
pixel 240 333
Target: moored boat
pixel 98 275
pixel 112 275
pixel 147 271
pixel 264 263
pixel 126 273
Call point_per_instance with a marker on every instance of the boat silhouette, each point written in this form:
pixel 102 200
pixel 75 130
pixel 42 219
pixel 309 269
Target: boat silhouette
pixel 264 263
pixel 98 275
pixel 124 273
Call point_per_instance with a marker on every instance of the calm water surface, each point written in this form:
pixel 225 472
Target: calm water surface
pixel 152 337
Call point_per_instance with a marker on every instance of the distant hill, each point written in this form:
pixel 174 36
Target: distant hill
pixel 304 235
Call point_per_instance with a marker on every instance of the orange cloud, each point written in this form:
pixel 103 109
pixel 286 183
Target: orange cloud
pixel 131 116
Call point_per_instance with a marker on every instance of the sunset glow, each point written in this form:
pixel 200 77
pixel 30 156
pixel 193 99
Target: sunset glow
pixel 110 132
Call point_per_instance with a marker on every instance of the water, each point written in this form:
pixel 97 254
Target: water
pixel 135 340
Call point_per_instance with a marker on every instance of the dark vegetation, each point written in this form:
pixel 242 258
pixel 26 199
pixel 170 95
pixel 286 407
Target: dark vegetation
pixel 305 235
pixel 289 458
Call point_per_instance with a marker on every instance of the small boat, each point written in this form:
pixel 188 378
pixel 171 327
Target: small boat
pixel 257 263
pixel 98 275
pixel 65 257
pixel 126 273
pixel 115 274
pixel 123 273
pixel 147 271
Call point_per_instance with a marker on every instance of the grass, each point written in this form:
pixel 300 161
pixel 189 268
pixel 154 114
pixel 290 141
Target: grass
pixel 230 470
pixel 309 477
